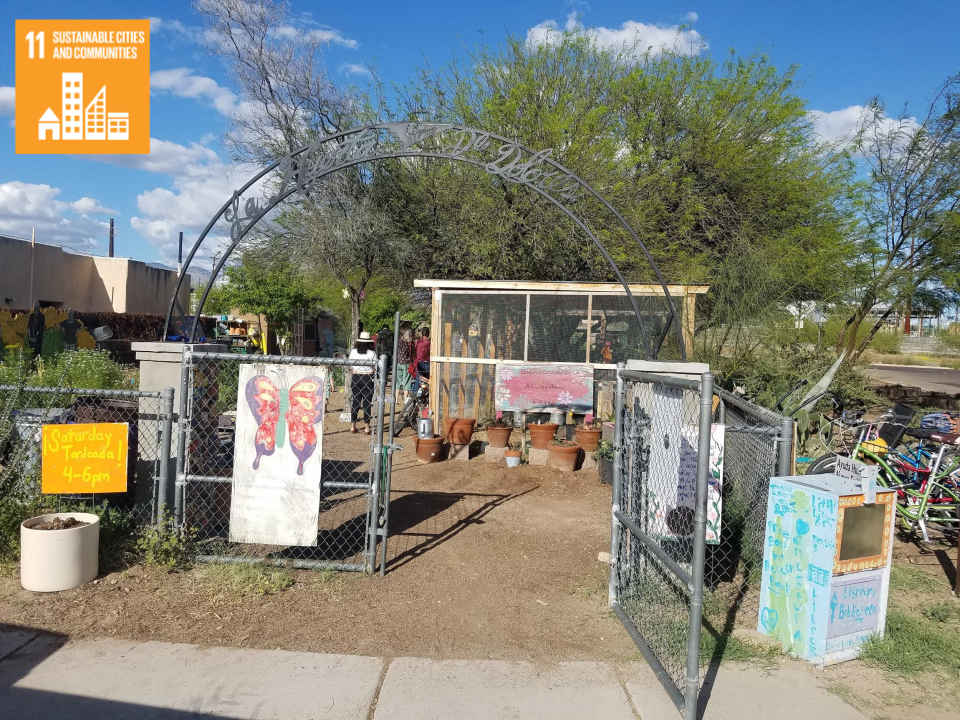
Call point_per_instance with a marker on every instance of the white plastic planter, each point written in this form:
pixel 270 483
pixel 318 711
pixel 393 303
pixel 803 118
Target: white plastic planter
pixel 54 560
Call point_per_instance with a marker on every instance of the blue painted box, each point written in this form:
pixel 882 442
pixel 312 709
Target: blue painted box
pixel 826 566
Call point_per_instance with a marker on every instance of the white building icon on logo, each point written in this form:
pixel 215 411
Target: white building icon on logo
pixel 94 124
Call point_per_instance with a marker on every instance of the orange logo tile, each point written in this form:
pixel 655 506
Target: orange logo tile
pixel 83 86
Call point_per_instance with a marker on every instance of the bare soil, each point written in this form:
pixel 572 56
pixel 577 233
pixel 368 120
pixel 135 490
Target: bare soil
pixel 59 523
pixel 483 561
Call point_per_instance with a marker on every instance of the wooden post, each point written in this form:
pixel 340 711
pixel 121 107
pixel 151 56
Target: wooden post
pixel 689 314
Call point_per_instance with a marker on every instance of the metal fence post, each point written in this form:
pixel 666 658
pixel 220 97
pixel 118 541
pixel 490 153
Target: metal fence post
pixel 613 591
pixel 785 447
pixel 166 432
pixel 377 466
pixel 179 487
pixel 388 459
pixel 692 684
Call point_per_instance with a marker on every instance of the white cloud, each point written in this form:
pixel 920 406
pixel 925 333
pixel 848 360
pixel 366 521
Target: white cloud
pixel 355 69
pixel 7 104
pixel 168 158
pixel 321 33
pixel 89 205
pixel 190 33
pixel 632 36
pixel 24 206
pixel 183 83
pixel 691 17
pixel 842 125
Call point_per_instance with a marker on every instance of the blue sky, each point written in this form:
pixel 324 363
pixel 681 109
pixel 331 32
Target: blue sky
pixel 847 52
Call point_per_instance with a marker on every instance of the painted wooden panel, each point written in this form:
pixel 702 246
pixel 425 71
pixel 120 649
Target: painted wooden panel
pixel 276 475
pixel 545 387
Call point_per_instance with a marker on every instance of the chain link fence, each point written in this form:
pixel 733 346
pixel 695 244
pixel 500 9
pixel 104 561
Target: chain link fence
pixel 25 409
pixel 689 509
pixel 352 497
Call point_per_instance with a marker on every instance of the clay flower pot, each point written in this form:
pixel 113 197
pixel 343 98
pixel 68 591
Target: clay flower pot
pixel 54 560
pixel 498 437
pixel 512 457
pixel 458 430
pixel 429 450
pixel 564 455
pixel 541 435
pixel 588 439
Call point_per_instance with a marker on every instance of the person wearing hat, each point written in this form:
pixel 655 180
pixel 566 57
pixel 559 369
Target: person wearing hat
pixel 361 386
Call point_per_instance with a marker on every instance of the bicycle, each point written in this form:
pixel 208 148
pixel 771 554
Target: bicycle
pixel 413 407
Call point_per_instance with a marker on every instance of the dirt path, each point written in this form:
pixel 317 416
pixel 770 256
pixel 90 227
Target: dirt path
pixel 484 561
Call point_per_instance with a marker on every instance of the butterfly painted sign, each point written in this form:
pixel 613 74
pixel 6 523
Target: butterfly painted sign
pixel 276 481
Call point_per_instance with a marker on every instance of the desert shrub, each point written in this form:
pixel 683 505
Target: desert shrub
pixel 166 546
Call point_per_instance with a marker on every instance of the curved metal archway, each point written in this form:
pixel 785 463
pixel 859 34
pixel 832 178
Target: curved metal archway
pixel 498 156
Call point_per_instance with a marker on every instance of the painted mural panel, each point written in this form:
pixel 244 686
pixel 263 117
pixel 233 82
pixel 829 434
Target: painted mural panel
pixel 545 387
pixel 798 552
pixel 276 479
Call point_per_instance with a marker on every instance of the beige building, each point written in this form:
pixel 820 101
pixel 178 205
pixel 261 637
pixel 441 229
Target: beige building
pixel 87 284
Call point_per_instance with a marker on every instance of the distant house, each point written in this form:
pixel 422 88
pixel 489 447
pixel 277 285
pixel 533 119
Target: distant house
pixel 82 282
pixel 49 126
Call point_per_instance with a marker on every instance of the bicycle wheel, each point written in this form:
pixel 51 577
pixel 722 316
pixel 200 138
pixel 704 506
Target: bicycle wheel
pixel 823 465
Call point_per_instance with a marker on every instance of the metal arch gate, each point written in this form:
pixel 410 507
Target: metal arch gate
pixel 354 490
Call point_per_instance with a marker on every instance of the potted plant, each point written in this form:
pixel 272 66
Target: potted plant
pixel 604 458
pixel 498 434
pixel 430 450
pixel 541 434
pixel 564 455
pixel 513 455
pixel 588 435
pixel 59 552
pixel 459 430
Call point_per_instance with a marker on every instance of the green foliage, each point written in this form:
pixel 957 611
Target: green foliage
pixel 272 287
pixel 912 645
pixel 253 578
pixel 166 546
pixel 604 450
pixel 88 369
pixel 943 612
pixel 771 370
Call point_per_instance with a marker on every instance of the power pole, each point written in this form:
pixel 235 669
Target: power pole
pixel 33 250
pixel 180 255
pixel 110 250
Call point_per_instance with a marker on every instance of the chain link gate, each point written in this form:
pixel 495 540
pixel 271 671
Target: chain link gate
pixel 353 496
pixel 661 565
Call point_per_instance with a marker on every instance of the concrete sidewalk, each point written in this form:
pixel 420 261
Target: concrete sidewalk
pixel 43 676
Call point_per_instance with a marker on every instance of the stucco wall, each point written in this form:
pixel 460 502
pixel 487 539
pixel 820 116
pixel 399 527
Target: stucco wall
pixel 87 284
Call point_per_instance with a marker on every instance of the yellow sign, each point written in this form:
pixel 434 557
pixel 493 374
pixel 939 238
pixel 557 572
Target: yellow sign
pixel 84 458
pixel 83 86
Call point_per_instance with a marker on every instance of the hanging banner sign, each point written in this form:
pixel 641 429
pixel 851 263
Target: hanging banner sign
pixel 84 458
pixel 545 387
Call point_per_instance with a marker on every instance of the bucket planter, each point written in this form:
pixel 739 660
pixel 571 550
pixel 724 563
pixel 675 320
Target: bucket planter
pixel 499 435
pixel 542 435
pixel 59 559
pixel 564 455
pixel 429 450
pixel 588 437
pixel 459 431
pixel 513 457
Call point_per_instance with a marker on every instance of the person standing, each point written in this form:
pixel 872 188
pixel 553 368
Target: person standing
pixel 385 346
pixel 423 352
pixel 35 327
pixel 361 386
pixel 406 367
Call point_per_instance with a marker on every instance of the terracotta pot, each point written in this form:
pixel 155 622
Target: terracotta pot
pixel 499 437
pixel 541 435
pixel 588 439
pixel 429 450
pixel 458 430
pixel 512 457
pixel 564 458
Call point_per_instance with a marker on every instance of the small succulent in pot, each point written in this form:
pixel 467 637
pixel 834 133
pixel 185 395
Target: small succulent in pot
pixel 595 425
pixel 604 450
